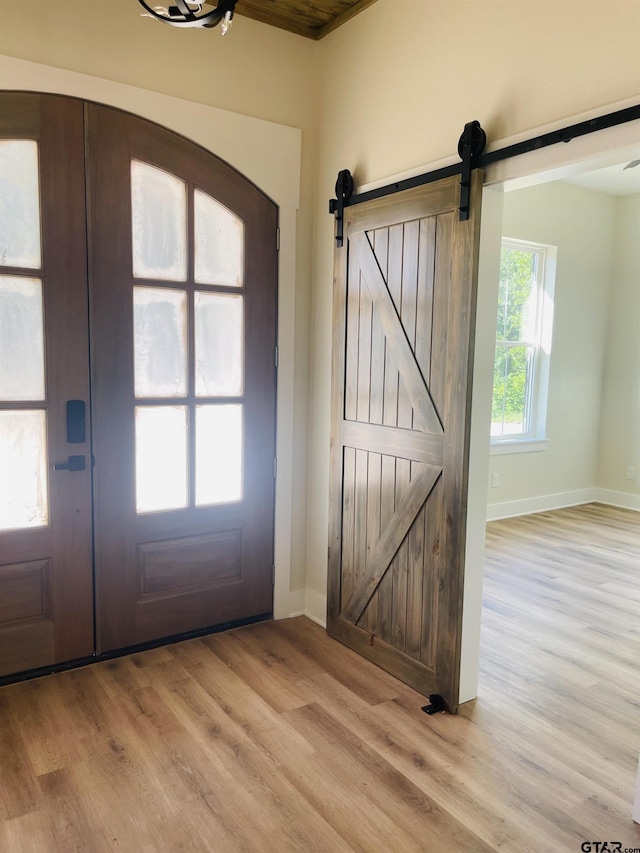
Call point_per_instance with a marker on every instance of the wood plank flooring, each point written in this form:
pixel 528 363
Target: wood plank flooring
pixel 274 737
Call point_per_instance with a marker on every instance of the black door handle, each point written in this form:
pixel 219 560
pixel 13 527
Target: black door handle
pixel 73 463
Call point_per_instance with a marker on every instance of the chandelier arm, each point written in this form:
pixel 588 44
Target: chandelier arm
pixel 184 10
pixel 189 18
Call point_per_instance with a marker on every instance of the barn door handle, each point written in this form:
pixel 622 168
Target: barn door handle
pixel 73 463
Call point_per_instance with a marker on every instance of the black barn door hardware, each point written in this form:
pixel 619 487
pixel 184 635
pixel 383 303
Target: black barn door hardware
pixel 437 704
pixel 470 149
pixel 344 190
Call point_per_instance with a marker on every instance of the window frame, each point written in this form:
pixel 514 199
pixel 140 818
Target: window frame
pixel 537 387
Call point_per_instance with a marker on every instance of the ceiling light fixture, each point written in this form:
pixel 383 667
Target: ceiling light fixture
pixel 188 14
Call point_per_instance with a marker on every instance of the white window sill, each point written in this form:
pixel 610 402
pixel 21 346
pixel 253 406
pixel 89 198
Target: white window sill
pixel 532 445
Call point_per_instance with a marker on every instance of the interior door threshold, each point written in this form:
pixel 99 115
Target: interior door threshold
pixel 29 674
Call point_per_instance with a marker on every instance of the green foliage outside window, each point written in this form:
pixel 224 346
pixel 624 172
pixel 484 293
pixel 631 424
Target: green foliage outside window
pixel 515 341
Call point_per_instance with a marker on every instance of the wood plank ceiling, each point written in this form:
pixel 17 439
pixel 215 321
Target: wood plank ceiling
pixel 310 19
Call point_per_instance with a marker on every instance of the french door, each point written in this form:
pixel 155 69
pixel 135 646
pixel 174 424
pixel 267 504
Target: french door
pixel 46 587
pixel 182 278
pixel 404 307
pixel 156 452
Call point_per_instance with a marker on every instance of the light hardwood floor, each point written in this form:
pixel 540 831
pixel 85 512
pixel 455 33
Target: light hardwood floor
pixel 276 738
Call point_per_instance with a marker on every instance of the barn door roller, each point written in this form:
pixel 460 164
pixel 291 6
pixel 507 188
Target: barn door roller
pixel 471 151
pixel 344 191
pixel 470 146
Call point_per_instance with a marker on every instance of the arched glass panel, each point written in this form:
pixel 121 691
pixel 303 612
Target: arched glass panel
pixel 19 204
pixel 159 223
pixel 219 243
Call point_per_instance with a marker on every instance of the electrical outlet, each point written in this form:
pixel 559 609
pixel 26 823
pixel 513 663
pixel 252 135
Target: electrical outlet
pixel 631 473
pixel 495 481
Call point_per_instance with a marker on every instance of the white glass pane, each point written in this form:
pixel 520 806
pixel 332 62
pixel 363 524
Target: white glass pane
pixel 160 342
pixel 21 339
pixel 161 458
pixel 219 344
pixel 19 204
pixel 219 462
pixel 219 243
pixel 23 469
pixel 159 223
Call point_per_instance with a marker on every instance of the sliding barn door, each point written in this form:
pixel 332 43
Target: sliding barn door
pixel 404 308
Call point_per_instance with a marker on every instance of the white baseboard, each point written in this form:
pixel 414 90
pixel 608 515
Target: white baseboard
pixel 296 603
pixel 624 500
pixel 542 503
pixel 316 607
pixel 309 603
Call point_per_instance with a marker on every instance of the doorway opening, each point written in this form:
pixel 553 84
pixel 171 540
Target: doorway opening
pixel 561 594
pixel 598 150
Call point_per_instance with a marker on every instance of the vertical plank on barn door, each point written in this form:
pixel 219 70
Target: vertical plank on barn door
pixel 404 312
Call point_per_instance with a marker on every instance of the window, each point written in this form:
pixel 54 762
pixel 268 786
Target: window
pixel 523 346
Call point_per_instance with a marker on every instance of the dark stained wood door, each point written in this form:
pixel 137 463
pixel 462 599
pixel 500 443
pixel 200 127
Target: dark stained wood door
pixel 404 309
pixel 183 268
pixel 46 583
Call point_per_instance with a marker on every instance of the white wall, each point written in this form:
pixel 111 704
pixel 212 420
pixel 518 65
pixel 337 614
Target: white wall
pixel 594 393
pixel 620 417
pixel 581 223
